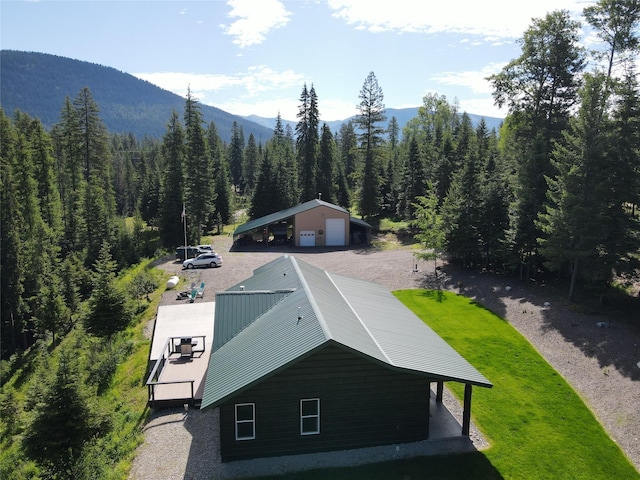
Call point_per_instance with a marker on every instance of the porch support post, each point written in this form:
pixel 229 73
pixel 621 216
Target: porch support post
pixel 439 388
pixel 428 407
pixel 466 413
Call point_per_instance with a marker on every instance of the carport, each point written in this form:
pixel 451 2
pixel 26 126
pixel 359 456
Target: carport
pixel 311 224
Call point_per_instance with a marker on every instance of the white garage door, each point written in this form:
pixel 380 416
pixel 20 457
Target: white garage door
pixel 335 232
pixel 307 238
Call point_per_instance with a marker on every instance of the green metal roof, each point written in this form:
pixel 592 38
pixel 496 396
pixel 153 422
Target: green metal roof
pixel 309 308
pixel 291 212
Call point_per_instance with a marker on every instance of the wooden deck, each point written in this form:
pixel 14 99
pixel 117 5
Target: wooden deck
pixel 176 379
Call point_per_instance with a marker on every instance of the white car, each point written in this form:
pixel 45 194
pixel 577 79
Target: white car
pixel 207 248
pixel 203 260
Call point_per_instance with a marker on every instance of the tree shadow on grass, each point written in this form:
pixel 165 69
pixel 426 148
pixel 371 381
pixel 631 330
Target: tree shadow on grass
pixel 609 333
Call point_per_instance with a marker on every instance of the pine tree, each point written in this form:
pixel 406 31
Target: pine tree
pixel 198 169
pixel 414 178
pixel 264 200
pixel 222 187
pixel 493 220
pixel 99 206
pixel 574 219
pixel 236 158
pixel 67 137
pixel 539 88
pixel 172 186
pixel 63 420
pixel 307 140
pixel 347 141
pixel 12 305
pixel 428 222
pixel 460 212
pixel 370 115
pixel 392 187
pixel 109 310
pixel 326 182
pixel 251 163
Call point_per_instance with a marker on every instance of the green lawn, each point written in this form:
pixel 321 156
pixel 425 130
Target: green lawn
pixel 537 425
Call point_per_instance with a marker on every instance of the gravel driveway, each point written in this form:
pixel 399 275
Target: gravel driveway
pixel 600 363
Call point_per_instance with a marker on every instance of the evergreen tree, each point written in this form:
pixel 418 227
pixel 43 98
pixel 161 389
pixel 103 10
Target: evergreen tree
pixel 307 141
pixel 99 206
pixel 46 177
pixel 251 163
pixel 236 158
pixel 414 178
pixel 265 197
pixel 149 198
pixel 52 313
pixel 493 220
pixel 221 177
pixel 171 189
pixel 539 88
pixel 348 151
pixel 326 183
pixel 586 221
pixel 460 213
pixel 370 115
pixel 429 225
pixel 67 137
pixel 63 420
pixel 198 169
pixel 109 310
pixel 392 187
pixel 12 305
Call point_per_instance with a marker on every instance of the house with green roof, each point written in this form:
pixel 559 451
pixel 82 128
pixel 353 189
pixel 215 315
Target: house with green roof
pixel 304 360
pixel 310 224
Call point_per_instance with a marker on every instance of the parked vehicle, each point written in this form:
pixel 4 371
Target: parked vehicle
pixel 203 260
pixel 191 252
pixel 207 248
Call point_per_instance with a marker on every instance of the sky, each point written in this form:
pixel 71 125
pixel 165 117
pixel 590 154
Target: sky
pixel 255 56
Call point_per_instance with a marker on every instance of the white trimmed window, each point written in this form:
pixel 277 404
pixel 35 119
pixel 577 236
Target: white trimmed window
pixel 245 421
pixel 310 416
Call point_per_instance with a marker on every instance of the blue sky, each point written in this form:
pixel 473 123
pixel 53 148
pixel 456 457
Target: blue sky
pixel 254 56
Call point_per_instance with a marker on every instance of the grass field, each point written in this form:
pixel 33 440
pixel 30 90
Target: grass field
pixel 538 426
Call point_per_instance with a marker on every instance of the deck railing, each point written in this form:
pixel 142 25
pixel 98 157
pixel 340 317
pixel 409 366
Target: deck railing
pixel 173 346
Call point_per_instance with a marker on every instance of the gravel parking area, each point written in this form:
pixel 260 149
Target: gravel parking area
pixel 600 363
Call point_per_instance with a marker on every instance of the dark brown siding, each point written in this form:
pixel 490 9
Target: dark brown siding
pixel 361 404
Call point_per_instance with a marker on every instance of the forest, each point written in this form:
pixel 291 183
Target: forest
pixel 553 193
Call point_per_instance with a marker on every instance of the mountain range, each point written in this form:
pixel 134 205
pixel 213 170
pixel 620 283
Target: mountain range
pixel 39 83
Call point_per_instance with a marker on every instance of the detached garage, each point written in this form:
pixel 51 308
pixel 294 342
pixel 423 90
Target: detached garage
pixel 311 224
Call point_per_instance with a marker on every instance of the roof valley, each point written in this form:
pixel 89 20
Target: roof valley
pixel 355 313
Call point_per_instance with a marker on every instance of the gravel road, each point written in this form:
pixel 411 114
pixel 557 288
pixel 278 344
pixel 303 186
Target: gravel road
pixel 600 363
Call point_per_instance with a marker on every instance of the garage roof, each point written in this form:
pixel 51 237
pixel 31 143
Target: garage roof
pixel 292 212
pixel 312 308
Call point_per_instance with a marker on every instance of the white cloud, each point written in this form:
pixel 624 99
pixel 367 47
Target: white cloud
pixel 475 80
pixel 255 81
pixel 491 18
pixel 260 90
pixel 482 106
pixel 256 18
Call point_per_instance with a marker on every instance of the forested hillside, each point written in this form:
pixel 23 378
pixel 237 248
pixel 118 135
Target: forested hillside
pixel 38 83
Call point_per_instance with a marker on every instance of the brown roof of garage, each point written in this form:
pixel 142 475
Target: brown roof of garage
pixel 291 212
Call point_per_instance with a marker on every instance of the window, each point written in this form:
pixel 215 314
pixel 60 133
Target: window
pixel 310 416
pixel 245 421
